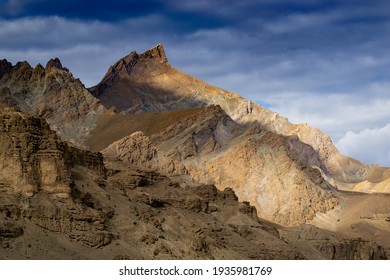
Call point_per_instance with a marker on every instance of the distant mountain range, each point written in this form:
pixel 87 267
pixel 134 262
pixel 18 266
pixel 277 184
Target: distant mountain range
pixel 153 163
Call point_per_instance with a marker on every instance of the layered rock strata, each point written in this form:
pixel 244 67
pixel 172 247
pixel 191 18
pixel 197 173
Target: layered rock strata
pixel 33 159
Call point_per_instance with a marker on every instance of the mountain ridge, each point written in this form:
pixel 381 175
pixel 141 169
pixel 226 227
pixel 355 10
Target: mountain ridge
pixel 168 88
pixel 52 93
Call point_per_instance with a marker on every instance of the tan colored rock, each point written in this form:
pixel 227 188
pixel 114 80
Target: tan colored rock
pixel 138 150
pixel 31 156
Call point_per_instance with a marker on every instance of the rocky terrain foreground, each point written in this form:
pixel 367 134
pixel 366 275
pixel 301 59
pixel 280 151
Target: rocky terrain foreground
pixel 152 163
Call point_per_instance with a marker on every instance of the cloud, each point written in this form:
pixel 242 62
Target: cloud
pixel 333 113
pixel 368 145
pixel 57 32
pixel 116 10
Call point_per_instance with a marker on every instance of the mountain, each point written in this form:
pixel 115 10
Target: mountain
pixel 51 93
pixel 153 163
pixel 148 83
pixel 307 177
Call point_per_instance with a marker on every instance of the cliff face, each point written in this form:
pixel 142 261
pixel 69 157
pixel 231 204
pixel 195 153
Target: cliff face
pixel 37 187
pixel 137 214
pixel 52 93
pixel 33 158
pixel 31 155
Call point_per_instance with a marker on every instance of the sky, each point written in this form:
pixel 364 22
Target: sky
pixel 321 62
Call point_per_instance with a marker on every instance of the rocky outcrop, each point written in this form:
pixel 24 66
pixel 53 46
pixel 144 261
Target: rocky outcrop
pixel 73 220
pixel 198 135
pixel 331 245
pixel 262 167
pixel 188 220
pixel 31 156
pixel 33 159
pixel 138 150
pixel 268 170
pixel 10 229
pixel 54 63
pixel 52 93
pixel 37 183
pixel 264 174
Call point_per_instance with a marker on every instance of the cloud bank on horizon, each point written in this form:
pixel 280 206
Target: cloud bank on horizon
pixel 323 62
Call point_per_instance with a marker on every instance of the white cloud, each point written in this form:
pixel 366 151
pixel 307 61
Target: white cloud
pixel 299 22
pixel 369 145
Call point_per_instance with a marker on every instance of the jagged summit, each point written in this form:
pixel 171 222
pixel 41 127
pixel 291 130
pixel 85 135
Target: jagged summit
pixel 125 67
pixel 55 63
pixel 24 66
pixel 51 93
pixel 155 53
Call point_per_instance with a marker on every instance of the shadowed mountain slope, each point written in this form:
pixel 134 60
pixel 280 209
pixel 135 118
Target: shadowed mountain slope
pixel 111 126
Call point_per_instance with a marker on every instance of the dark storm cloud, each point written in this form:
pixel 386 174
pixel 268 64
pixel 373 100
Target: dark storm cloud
pixel 107 11
pixel 112 10
pixel 313 61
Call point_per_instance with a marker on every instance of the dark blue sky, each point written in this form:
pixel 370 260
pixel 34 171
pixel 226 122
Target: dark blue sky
pixel 323 62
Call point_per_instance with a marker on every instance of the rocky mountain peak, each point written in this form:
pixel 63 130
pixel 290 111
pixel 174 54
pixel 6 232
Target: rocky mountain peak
pixel 129 71
pixel 157 53
pixel 54 63
pixel 22 67
pixel 51 93
pixel 127 63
